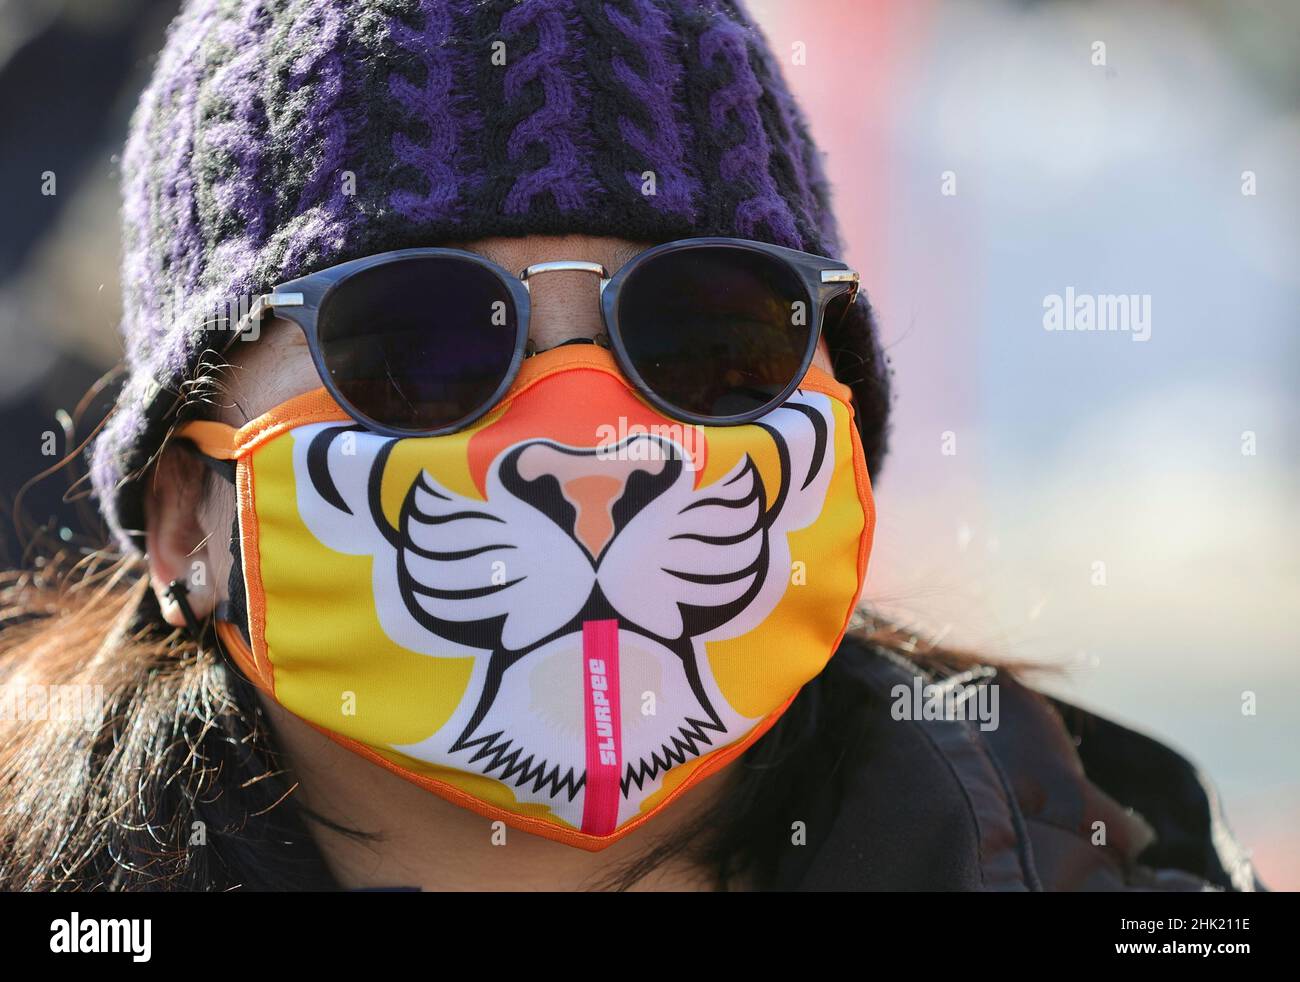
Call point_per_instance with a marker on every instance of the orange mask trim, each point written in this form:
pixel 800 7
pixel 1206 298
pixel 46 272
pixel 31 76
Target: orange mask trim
pixel 750 679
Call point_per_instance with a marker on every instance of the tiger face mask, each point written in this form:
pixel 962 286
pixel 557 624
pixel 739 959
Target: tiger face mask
pixel 564 616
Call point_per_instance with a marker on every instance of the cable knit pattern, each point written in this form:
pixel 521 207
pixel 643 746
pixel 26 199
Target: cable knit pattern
pixel 556 124
pixel 175 218
pixel 795 165
pixel 309 120
pixel 160 246
pixel 806 176
pixel 651 123
pixel 235 176
pixel 746 161
pixel 230 199
pixel 435 105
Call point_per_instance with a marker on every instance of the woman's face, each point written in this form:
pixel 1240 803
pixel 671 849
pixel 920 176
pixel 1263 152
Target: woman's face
pixel 278 367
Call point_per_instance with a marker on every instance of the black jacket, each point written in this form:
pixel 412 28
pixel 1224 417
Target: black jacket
pixel 942 804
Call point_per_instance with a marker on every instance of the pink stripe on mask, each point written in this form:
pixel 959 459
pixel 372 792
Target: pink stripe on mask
pixel 603 730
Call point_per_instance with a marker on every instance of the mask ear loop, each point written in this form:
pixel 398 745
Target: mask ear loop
pixel 177 591
pixel 212 442
pixel 222 467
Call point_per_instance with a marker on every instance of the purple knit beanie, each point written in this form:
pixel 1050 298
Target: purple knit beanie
pixel 278 137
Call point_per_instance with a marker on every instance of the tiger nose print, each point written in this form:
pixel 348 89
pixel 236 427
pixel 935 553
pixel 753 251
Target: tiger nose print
pixel 591 483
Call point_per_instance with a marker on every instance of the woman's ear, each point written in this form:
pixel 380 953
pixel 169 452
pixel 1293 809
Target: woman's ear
pixel 177 543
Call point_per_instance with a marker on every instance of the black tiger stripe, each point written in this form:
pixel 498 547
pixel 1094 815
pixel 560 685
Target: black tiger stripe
pixel 714 579
pixel 820 438
pixel 473 593
pixel 318 465
pixel 718 540
pixel 456 516
pixel 451 557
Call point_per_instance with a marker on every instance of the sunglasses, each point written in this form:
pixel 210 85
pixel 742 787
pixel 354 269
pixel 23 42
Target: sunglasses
pixel 423 342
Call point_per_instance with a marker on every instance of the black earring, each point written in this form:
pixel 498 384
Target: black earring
pixel 178 592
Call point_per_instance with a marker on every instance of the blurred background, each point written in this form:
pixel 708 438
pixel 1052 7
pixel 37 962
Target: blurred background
pixel 1125 511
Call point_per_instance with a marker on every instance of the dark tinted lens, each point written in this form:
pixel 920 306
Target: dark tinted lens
pixel 418 344
pixel 715 330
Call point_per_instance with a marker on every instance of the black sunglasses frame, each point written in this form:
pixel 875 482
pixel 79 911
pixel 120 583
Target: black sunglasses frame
pixel 300 300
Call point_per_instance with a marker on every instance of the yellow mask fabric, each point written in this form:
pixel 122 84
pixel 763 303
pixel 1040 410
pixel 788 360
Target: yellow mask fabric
pixel 563 616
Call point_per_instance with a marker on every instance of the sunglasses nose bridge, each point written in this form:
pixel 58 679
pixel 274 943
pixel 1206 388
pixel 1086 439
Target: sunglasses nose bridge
pixel 565 265
pixel 571 265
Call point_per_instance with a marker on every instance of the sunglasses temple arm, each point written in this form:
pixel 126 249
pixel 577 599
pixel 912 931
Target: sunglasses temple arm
pixel 261 305
pixel 841 276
